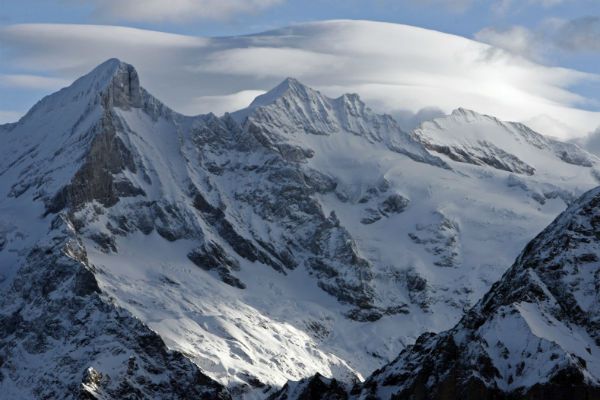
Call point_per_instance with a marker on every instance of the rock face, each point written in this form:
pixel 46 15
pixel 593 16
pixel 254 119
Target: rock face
pixel 314 388
pixel 61 339
pixel 265 245
pixel 534 335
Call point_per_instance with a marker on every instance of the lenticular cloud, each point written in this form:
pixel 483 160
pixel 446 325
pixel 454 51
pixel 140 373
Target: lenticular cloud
pixel 393 67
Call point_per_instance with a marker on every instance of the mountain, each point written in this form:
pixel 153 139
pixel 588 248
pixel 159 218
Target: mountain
pixel 535 334
pixel 301 235
pixel 61 338
pixel 468 137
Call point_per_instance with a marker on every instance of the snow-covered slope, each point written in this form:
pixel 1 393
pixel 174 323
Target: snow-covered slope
pixel 535 334
pixel 302 235
pixel 60 337
pixel 468 137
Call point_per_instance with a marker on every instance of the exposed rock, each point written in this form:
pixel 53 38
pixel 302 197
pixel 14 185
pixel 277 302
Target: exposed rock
pixel 488 154
pixel 213 257
pixel 440 238
pixel 517 342
pixel 313 388
pixel 59 318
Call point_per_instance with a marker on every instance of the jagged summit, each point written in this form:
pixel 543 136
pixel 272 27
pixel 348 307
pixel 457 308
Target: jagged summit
pixel 288 87
pixel 73 127
pixel 113 82
pixel 292 91
pixel 289 93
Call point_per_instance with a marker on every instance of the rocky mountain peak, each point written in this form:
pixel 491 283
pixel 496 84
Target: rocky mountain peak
pixel 112 83
pixel 123 86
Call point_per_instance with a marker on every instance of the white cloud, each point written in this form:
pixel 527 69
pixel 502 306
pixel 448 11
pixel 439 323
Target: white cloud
pixel 393 67
pixel 261 62
pixel 221 104
pixel 24 81
pixel 591 142
pixel 174 10
pixel 516 39
pixel 9 116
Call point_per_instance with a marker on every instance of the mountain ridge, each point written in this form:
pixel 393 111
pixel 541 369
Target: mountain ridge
pixel 269 247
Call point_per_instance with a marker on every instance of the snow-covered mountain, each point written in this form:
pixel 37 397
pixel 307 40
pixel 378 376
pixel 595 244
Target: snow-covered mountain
pixel 301 235
pixel 535 334
pixel 60 336
pixel 469 137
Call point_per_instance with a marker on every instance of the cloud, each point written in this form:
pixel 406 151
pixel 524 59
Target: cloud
pixel 393 67
pixel 506 6
pixel 9 116
pixel 580 35
pixel 409 120
pixel 221 104
pixel 251 61
pixel 591 142
pixel 497 6
pixel 24 81
pixel 453 5
pixel 516 39
pixel 174 10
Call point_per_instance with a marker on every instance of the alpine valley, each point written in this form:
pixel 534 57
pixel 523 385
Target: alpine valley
pixel 301 248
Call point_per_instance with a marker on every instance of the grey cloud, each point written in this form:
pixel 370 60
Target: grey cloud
pixel 592 142
pixel 409 120
pixel 576 36
pixel 579 35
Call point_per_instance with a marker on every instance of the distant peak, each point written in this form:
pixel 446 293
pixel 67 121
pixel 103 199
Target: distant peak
pixel 463 112
pixel 471 116
pixel 289 87
pixel 291 83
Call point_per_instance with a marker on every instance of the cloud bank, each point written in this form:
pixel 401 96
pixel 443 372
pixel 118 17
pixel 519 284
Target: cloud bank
pixel 395 68
pixel 174 10
pixel 579 35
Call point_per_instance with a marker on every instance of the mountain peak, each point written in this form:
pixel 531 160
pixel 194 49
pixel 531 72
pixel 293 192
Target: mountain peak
pixel 119 82
pixel 112 83
pixel 468 115
pixel 289 87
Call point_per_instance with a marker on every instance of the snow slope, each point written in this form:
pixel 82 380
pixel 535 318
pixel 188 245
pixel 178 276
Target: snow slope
pixel 60 337
pixel 302 235
pixel 533 335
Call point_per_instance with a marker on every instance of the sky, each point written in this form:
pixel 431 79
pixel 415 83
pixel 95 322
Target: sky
pixel 535 61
